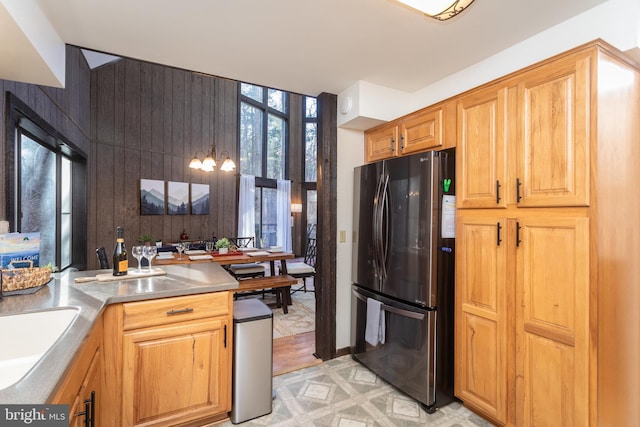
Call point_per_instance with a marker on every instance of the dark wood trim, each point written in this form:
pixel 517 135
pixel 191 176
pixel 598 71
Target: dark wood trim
pixel 343 351
pixel 325 284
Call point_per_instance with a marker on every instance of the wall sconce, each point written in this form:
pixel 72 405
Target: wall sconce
pixel 438 9
pixel 208 163
pixel 296 207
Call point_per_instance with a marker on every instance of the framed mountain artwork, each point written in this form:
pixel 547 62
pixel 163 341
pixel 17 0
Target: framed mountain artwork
pixel 151 197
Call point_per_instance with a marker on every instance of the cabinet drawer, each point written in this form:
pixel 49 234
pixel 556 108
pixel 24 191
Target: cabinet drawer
pixel 170 310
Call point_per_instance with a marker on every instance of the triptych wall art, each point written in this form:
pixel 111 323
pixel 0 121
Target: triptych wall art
pixel 180 198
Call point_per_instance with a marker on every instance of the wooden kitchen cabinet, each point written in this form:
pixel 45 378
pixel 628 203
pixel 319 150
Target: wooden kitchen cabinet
pixel 381 143
pixel 552 321
pixel 422 131
pixel 431 128
pixel 481 155
pixel 481 326
pixel 81 389
pixel 523 285
pixel 542 117
pixel 547 261
pixel 171 360
pixel 552 145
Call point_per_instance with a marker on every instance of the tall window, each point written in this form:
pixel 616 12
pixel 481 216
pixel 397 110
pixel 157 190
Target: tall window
pixel 310 195
pixel 263 131
pixel 264 119
pixel 45 190
pixel 45 199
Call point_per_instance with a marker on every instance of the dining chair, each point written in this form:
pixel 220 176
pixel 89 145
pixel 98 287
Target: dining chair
pixel 249 270
pixel 101 253
pixel 306 269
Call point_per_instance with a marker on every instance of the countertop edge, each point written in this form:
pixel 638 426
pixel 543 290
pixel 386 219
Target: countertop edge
pixel 41 383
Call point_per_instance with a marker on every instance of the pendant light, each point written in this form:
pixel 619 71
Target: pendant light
pixel 209 162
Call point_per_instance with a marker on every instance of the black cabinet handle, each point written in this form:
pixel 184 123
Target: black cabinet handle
pixel 401 142
pixel 518 184
pixel 390 144
pixel 225 336
pixel 497 191
pixel 499 229
pixel 89 410
pixel 518 234
pixel 181 311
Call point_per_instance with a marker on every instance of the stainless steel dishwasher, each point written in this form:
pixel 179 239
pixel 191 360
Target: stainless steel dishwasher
pixel 252 381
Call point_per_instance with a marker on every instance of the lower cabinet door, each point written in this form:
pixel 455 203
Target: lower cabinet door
pixel 481 373
pixel 552 322
pixel 175 374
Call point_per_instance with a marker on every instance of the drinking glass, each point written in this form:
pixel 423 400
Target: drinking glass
pixel 136 251
pixel 149 252
pixel 180 248
pixel 209 246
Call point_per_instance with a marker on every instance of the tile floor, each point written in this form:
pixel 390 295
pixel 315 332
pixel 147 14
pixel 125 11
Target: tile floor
pixel 343 393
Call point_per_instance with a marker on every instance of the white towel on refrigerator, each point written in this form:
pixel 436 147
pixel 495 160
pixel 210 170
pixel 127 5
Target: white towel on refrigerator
pixel 374 332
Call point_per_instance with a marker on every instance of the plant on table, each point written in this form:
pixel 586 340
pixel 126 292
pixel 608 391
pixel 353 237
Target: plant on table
pixel 146 239
pixel 224 245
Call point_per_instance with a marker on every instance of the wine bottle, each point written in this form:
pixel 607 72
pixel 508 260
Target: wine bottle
pixel 120 262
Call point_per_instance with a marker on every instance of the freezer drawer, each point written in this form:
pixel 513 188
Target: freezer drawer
pixel 407 357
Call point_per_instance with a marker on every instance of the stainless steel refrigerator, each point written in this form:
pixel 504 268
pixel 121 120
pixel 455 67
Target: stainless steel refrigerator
pixel 403 273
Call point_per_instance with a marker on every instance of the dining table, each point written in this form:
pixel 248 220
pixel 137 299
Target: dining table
pixel 237 257
pixel 233 257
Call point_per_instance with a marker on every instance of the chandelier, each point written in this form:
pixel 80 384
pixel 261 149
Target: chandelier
pixel 438 9
pixel 210 160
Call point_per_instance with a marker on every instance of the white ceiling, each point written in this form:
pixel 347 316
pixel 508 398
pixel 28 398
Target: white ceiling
pixel 305 46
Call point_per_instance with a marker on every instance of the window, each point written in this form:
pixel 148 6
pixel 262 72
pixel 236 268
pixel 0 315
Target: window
pixel 263 132
pixel 263 152
pixel 310 195
pixel 310 140
pixel 46 188
pixel 266 220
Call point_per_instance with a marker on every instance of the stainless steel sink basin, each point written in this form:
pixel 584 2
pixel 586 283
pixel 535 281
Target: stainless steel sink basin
pixel 26 337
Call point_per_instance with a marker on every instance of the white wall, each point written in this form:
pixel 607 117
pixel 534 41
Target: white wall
pixel 350 155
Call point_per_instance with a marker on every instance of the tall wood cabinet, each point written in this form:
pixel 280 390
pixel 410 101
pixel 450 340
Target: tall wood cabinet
pixel 170 360
pixel 548 252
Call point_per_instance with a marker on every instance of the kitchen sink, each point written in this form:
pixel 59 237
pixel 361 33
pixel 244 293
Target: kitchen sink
pixel 26 337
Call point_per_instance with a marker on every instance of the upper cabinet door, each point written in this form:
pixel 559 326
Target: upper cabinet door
pixel 421 131
pixel 481 150
pixel 381 143
pixel 553 134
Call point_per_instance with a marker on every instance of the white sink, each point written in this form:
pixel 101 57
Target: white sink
pixel 26 337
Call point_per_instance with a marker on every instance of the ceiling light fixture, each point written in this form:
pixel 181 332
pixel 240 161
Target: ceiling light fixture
pixel 438 9
pixel 208 163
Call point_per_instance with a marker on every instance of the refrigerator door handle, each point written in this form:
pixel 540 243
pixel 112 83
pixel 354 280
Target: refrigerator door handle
pixel 391 309
pixel 377 225
pixel 384 227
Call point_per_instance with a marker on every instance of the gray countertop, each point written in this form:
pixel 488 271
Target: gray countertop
pixel 90 298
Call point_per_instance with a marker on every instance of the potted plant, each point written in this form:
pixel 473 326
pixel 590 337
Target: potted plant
pixel 223 245
pixel 146 239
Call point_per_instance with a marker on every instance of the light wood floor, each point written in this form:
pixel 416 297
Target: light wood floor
pixel 294 352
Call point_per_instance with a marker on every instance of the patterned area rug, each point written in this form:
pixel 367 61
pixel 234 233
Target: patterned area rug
pixel 301 317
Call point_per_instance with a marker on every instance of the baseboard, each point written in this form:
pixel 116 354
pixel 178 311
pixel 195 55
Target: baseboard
pixel 343 351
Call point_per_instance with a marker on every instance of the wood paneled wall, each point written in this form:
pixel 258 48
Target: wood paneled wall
pixel 139 120
pixel 147 122
pixel 65 109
